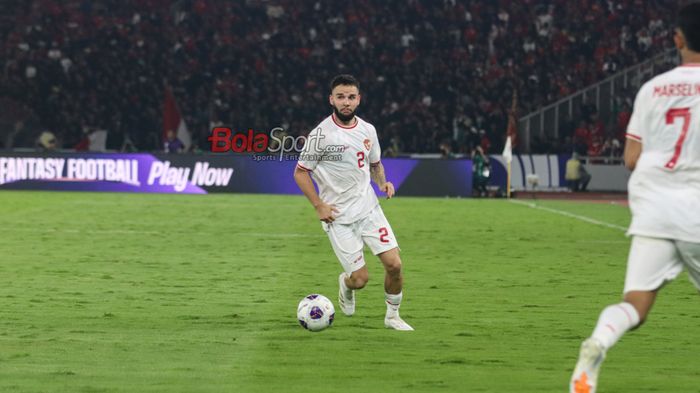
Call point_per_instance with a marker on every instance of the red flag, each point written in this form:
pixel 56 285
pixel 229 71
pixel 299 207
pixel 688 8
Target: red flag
pixel 173 120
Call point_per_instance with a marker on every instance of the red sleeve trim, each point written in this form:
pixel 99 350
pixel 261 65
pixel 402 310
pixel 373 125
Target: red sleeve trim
pixel 303 168
pixel 634 137
pixel 375 163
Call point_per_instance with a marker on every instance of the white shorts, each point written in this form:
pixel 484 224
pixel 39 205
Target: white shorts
pixel 348 240
pixel 653 261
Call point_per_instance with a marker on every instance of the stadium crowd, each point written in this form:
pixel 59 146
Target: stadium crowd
pixel 436 75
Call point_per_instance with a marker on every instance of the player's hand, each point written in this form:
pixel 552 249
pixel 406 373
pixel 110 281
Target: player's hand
pixel 388 189
pixel 325 212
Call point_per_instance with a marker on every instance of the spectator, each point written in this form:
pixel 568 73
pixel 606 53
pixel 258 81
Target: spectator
pixel 446 150
pixel 46 141
pixel 623 118
pixel 173 144
pixel 582 138
pixel 76 63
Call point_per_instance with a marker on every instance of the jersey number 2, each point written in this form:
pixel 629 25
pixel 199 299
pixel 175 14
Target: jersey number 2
pixel 671 116
pixel 360 159
pixel 383 234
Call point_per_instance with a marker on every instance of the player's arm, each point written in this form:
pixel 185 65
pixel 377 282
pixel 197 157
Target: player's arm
pixel 633 149
pixel 306 185
pixel 376 172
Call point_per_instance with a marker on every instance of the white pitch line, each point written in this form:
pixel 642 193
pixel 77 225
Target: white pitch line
pixel 571 215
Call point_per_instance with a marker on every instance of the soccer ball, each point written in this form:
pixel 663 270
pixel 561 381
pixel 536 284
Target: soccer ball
pixel 315 312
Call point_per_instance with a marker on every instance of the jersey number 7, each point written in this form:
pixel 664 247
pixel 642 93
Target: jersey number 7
pixel 671 116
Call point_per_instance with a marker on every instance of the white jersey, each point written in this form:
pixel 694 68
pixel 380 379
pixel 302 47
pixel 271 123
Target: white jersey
pixel 664 189
pixel 339 159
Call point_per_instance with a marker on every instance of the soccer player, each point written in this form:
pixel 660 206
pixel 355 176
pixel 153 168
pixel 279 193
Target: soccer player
pixel 343 154
pixel 663 150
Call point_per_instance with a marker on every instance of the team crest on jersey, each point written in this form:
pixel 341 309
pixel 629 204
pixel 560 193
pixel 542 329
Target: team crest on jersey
pixel 368 144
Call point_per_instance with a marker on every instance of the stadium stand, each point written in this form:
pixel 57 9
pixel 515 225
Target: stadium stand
pixel 433 72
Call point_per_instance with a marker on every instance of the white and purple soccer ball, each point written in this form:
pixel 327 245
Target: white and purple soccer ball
pixel 315 312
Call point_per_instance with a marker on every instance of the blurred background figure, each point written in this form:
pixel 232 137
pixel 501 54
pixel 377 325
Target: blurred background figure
pixel 446 150
pixel 173 144
pixel 576 175
pixel 93 140
pixel 482 172
pixel 46 141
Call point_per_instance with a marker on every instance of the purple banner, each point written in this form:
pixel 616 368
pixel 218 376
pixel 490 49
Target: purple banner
pixel 200 174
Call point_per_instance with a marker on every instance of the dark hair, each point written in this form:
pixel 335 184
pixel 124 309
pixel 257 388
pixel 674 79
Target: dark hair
pixel 344 79
pixel 689 24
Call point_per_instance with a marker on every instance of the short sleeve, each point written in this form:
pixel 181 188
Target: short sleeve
pixel 375 152
pixel 313 150
pixel 637 127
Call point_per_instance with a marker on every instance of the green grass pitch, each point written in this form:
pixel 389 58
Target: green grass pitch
pixel 162 293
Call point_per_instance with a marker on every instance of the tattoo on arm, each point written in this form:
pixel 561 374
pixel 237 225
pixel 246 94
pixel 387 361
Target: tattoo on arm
pixel 376 172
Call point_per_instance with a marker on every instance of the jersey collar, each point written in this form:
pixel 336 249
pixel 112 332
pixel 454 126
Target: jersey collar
pixel 337 123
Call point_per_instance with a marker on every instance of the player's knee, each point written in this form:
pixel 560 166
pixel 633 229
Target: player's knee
pixel 359 278
pixel 391 261
pixel 361 281
pixel 393 266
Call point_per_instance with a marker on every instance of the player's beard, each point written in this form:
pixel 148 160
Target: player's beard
pixel 341 116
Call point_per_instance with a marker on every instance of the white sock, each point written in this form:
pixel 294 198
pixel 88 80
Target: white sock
pixel 613 322
pixel 393 302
